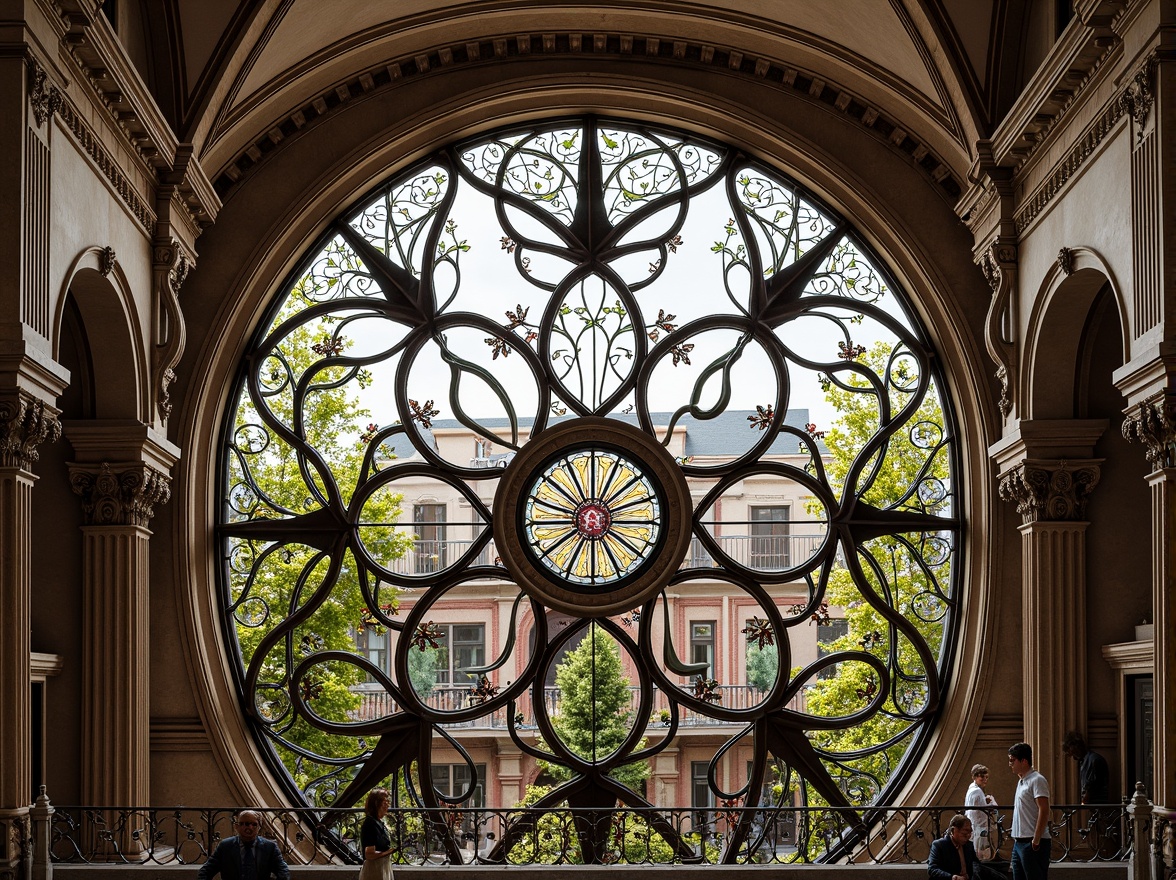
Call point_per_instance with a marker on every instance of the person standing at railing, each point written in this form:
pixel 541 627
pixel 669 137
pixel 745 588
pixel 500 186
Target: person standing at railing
pixel 248 856
pixel 1031 842
pixel 374 839
pixel 978 797
pixel 953 857
pixel 1093 774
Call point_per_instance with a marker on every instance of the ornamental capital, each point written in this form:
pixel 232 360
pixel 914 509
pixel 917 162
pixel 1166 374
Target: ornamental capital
pixel 119 494
pixel 25 423
pixel 1137 99
pixel 44 97
pixel 1153 423
pixel 996 261
pixel 1050 491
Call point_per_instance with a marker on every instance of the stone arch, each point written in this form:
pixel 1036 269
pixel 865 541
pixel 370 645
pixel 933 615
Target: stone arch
pixel 108 323
pixel 247 255
pixel 1064 306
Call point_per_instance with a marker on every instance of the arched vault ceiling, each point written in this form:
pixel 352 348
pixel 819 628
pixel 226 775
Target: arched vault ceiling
pixel 919 61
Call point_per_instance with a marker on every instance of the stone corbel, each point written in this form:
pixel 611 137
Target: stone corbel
pixel 1137 99
pixel 1050 491
pixel 1153 423
pixel 171 265
pixel 44 97
pixel 120 493
pixel 25 423
pixel 998 262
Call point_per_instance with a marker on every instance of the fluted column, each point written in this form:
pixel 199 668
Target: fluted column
pixel 118 501
pixel 1051 498
pixel 25 423
pixel 1153 422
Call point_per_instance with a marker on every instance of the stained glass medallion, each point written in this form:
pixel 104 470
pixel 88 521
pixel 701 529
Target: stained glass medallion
pixel 592 526
pixel 592 517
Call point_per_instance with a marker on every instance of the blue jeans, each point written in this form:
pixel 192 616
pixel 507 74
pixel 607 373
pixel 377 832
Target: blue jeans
pixel 1029 863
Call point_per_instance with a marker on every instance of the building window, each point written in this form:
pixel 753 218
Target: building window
pixel 827 634
pixel 453 780
pixel 372 642
pixel 428 526
pixel 702 799
pixel 702 645
pixel 769 537
pixel 462 646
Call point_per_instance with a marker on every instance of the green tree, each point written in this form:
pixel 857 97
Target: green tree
pixel 914 474
pixel 422 670
pixel 762 666
pixel 269 481
pixel 594 711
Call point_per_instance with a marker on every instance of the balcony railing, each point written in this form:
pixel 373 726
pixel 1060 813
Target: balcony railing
pixel 781 834
pixel 377 704
pixel 757 552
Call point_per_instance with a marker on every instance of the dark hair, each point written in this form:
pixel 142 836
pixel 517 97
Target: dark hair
pixel 1022 752
pixel 1073 740
pixel 958 820
pixel 979 770
pixel 375 797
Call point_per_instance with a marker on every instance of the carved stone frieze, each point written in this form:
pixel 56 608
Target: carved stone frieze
pixel 1049 491
pixel 106 261
pixel 1138 97
pixel 1153 423
pixel 119 494
pixel 44 97
pixel 1066 261
pixel 25 423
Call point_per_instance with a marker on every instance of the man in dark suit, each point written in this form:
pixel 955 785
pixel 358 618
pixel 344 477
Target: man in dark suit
pixel 952 856
pixel 246 856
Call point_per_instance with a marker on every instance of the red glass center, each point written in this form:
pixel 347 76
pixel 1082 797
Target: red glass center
pixel 592 519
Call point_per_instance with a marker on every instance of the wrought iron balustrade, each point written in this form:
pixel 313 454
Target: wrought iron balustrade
pixel 757 552
pixel 781 834
pixel 378 703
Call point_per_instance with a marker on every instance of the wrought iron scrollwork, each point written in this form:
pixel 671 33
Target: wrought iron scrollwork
pixel 644 276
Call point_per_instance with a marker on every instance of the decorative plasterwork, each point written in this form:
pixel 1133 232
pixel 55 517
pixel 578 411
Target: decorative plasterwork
pixel 998 262
pixel 1054 491
pixel 1066 261
pixel 1153 423
pixel 1137 99
pixel 44 97
pixel 119 494
pixel 171 266
pixel 1069 165
pixel 106 261
pixel 25 423
pixel 808 85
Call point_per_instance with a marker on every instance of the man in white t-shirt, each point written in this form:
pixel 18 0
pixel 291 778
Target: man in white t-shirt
pixel 1031 842
pixel 977 797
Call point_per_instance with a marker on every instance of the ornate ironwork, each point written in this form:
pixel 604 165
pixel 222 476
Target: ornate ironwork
pixel 578 232
pixel 782 834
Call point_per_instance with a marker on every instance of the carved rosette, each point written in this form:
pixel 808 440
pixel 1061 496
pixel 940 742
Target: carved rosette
pixel 1049 491
pixel 1153 423
pixel 172 265
pixel 44 98
pixel 1137 99
pixel 119 494
pixel 998 263
pixel 25 423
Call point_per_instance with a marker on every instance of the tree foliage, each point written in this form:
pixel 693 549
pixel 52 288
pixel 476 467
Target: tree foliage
pixel 910 572
pixel 272 478
pixel 594 710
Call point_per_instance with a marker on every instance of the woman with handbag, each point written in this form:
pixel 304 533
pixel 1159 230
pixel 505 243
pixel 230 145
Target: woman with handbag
pixel 373 837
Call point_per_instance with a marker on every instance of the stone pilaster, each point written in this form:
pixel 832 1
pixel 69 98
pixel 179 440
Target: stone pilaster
pixel 123 475
pixel 1153 423
pixel 1046 471
pixel 118 502
pixel 25 423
